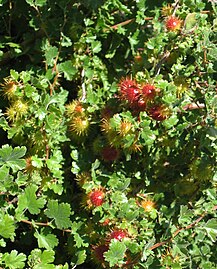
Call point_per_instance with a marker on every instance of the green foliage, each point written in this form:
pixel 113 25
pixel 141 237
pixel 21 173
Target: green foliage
pixel 102 95
pixel 13 260
pixel 60 213
pixel 116 253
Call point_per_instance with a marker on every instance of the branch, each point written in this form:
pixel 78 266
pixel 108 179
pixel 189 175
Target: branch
pixel 36 223
pixel 45 224
pixel 127 22
pixel 193 106
pixel 193 224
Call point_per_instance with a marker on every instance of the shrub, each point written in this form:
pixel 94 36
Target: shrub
pixel 108 127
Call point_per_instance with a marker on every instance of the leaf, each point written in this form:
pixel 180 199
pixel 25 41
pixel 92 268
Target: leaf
pixel 81 257
pixel 68 69
pixel 96 46
pixel 39 3
pixel 14 260
pixel 6 180
pixel 116 252
pixel 42 259
pixel 60 213
pixel 190 21
pixel 28 200
pixel 7 226
pixel 66 41
pixel 211 229
pixel 79 242
pixel 185 215
pixel 48 241
pixel 50 55
pixel 11 157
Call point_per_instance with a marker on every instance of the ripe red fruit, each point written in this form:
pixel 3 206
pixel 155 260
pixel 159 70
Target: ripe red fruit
pixel 129 90
pixel 173 23
pixel 118 234
pixel 158 112
pixel 110 154
pixel 148 91
pixel 97 197
pixel 140 105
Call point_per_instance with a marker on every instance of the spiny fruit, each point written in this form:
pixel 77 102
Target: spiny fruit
pixel 17 110
pixel 96 197
pixel 167 10
pixel 125 127
pixel 29 167
pixel 148 205
pixel 9 88
pixel 110 153
pixel 173 23
pixel 129 90
pixel 158 112
pixel 79 125
pixel 82 178
pixel 98 253
pixel 107 112
pixel 141 105
pixel 74 108
pixel 118 234
pixel 149 91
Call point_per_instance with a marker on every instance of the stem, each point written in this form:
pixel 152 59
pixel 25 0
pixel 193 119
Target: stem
pixel 127 22
pixel 36 223
pixel 176 6
pixel 44 224
pixel 193 224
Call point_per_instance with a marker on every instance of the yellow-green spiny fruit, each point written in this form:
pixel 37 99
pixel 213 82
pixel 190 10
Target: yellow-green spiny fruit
pixel 79 125
pixel 9 88
pixel 74 108
pixel 17 110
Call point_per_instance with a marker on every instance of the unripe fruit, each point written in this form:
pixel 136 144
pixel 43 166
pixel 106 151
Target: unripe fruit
pixel 74 108
pixel 167 10
pixel 173 23
pixel 135 147
pixel 148 205
pixel 9 88
pixel 124 128
pixel 96 197
pixel 79 125
pixel 29 167
pixel 17 110
pixel 106 126
pixel 82 178
pixel 98 144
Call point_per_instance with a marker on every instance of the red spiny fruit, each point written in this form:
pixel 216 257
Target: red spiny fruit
pixel 98 253
pixel 148 91
pixel 141 105
pixel 118 234
pixel 173 23
pixel 110 153
pixel 158 112
pixel 96 197
pixel 129 90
